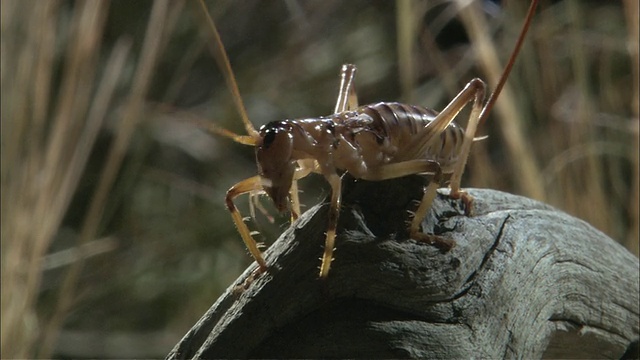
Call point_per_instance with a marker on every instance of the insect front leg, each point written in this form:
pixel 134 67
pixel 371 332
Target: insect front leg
pixel 243 187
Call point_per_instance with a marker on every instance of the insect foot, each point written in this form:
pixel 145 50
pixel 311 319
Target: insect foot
pixel 466 199
pixel 442 243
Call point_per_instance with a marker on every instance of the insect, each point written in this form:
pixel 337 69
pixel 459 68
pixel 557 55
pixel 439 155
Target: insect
pixel 374 142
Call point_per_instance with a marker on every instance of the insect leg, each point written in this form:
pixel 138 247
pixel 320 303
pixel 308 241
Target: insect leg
pixel 294 198
pixel 429 135
pixel 254 203
pixel 419 215
pixel 397 170
pixel 479 113
pixel 347 97
pixel 303 170
pixel 243 187
pixel 469 136
pixel 334 211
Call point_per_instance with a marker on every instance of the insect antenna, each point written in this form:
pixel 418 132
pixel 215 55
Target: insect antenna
pixel 505 74
pixel 220 55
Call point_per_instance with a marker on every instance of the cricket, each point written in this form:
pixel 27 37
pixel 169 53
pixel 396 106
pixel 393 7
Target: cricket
pixel 374 142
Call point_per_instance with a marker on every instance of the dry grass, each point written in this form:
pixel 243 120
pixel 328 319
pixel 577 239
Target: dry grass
pixel 149 202
pixel 44 147
pixel 49 129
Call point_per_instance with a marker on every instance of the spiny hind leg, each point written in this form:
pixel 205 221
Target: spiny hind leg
pixel 243 187
pixel 405 168
pixel 469 137
pixel 425 204
pixel 428 136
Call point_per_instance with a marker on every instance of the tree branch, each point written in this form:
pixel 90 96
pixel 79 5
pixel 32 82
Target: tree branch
pixel 524 280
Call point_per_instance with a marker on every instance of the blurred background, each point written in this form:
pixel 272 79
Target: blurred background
pixel 115 237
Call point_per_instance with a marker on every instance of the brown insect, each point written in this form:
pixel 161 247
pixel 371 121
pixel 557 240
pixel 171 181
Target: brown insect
pixel 373 142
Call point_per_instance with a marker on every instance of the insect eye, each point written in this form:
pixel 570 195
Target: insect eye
pixel 268 138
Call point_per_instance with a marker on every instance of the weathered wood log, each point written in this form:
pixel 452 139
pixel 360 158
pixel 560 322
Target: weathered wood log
pixel 523 281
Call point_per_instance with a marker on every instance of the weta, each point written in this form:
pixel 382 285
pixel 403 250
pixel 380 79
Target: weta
pixel 373 142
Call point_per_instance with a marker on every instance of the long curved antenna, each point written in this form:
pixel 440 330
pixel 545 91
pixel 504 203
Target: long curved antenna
pixel 505 74
pixel 220 55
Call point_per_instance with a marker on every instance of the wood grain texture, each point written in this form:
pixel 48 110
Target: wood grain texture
pixel 523 281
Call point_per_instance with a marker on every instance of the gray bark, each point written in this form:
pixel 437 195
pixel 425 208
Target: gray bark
pixel 523 281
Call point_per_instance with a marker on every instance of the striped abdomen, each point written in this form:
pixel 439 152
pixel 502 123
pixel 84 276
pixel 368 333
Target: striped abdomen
pixel 399 133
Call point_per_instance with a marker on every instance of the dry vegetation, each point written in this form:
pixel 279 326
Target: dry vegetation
pixel 113 225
